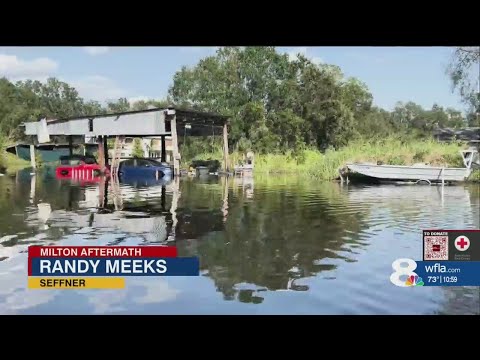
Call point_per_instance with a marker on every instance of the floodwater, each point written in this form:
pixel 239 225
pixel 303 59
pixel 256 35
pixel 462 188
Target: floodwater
pixel 266 245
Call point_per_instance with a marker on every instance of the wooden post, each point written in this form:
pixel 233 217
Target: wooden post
pixel 225 147
pixel 70 144
pixel 102 193
pixel 32 188
pixel 163 198
pixel 105 149
pixel 225 199
pixel 173 208
pixel 32 156
pixel 101 152
pixel 164 149
pixel 176 153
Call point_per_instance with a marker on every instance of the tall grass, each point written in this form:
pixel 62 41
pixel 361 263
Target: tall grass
pixel 388 151
pixel 325 165
pixel 10 163
pixel 475 176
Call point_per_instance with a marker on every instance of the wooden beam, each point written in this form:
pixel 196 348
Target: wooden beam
pixel 163 199
pixel 174 207
pixel 225 147
pixel 70 144
pixel 103 193
pixel 225 199
pixel 101 152
pixel 176 153
pixel 32 156
pixel 164 149
pixel 105 149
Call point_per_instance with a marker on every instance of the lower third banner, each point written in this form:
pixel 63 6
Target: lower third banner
pixel 76 283
pixel 185 266
pixel 408 272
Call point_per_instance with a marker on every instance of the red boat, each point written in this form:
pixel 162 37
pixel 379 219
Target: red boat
pixel 79 168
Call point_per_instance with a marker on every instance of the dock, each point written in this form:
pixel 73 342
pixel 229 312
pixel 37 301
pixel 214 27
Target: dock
pixel 156 122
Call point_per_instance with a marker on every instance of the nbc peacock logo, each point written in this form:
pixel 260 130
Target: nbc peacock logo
pixel 414 280
pixel 404 274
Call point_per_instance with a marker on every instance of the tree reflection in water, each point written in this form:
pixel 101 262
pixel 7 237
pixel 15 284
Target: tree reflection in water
pixel 275 235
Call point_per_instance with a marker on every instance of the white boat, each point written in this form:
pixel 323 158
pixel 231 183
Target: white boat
pixel 245 169
pixel 419 173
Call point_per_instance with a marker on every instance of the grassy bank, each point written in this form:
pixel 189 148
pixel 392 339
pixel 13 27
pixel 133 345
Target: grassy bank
pixel 324 166
pixel 10 163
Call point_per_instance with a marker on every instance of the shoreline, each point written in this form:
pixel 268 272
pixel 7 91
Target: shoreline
pixel 324 166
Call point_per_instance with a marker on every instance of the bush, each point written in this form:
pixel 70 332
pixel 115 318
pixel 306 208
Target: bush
pixel 137 150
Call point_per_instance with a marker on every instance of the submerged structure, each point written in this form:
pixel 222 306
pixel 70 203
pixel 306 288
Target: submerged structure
pixel 159 123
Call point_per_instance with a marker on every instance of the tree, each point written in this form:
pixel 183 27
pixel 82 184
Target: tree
pixel 274 103
pixel 376 123
pixel 464 70
pixel 146 104
pixel 473 120
pixel 54 98
pixel 137 150
pixel 121 105
pixel 455 119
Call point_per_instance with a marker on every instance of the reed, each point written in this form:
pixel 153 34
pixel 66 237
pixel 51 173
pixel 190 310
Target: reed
pixel 324 166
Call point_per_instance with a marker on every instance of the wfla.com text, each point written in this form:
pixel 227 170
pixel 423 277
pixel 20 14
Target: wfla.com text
pixel 439 268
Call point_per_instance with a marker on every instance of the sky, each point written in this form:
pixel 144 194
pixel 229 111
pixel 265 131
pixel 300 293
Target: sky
pixel 107 73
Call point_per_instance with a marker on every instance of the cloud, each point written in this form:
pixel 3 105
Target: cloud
pixel 303 50
pixel 96 50
pixel 14 68
pixel 99 88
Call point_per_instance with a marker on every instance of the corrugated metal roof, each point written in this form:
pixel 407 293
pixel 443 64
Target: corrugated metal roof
pixel 182 114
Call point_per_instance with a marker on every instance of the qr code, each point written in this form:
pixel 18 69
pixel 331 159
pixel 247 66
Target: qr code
pixel 435 248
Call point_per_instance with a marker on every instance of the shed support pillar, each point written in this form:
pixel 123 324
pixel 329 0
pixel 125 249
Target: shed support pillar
pixel 101 152
pixel 70 144
pixel 225 147
pixel 32 156
pixel 164 149
pixel 105 150
pixel 176 153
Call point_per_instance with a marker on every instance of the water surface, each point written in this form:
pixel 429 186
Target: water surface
pixel 266 246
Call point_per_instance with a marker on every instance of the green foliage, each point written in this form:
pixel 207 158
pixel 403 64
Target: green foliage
pixel 11 163
pixel 280 106
pixel 137 150
pixel 464 74
pixel 392 150
pixel 3 167
pixel 39 163
pixel 121 105
pixel 475 176
pixel 277 106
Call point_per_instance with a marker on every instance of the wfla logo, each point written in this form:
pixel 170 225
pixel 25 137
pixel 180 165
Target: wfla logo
pixel 405 272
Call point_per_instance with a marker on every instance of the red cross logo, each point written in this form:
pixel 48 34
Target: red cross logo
pixel 462 243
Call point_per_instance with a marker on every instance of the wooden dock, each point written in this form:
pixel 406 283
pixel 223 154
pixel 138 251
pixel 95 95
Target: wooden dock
pixel 162 123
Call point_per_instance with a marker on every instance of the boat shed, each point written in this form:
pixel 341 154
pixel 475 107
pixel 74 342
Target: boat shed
pixel 152 122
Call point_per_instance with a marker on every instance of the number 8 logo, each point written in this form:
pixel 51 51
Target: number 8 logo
pixel 402 271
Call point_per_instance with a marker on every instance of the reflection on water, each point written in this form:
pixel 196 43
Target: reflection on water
pixel 266 246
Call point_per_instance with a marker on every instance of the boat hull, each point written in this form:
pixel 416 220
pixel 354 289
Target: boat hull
pixel 410 173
